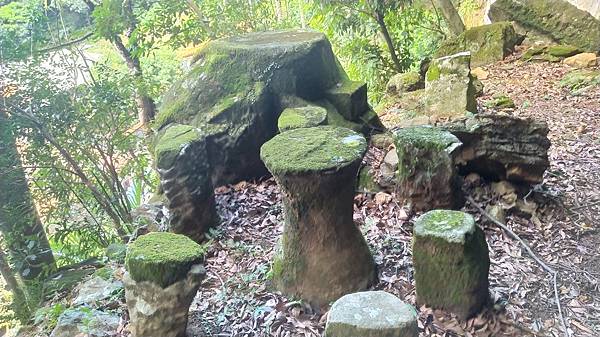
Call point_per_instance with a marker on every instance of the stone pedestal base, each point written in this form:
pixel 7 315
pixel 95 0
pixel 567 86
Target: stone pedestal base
pixel 161 312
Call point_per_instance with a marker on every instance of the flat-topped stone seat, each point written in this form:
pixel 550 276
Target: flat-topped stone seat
pixel 371 314
pixel 426 176
pixel 301 117
pixel 164 273
pixel 323 254
pixel 451 262
pixel 185 180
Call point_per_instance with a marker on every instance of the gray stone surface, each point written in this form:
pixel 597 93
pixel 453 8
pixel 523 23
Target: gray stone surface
pixel 86 322
pixel 371 314
pixel 161 312
pixel 95 290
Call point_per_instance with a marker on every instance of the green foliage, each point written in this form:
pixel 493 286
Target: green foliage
pixel 21 28
pixel 48 316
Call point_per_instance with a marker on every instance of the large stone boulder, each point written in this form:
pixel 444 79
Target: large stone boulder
pixel 556 20
pixel 235 93
pixel 451 262
pixel 487 44
pixel 502 147
pixel 371 314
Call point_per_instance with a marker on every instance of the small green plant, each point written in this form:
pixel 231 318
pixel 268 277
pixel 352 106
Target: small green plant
pixel 48 316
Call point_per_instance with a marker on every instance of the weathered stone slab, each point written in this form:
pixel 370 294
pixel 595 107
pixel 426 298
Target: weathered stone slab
pixel 487 43
pixel 405 82
pixel 95 290
pixel 185 179
pixel 426 176
pixel 371 314
pixel 557 20
pixel 451 262
pixel 502 147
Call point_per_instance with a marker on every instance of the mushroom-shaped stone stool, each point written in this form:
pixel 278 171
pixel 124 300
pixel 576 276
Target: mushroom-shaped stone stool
pixel 181 161
pixel 164 272
pixel 426 174
pixel 323 254
pixel 301 117
pixel 371 314
pixel 451 262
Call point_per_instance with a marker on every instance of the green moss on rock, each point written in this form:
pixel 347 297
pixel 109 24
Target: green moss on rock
pixel 487 43
pixel 174 139
pixel 426 137
pixel 451 262
pixel 500 101
pixel 312 150
pixel 162 258
pixel 578 79
pixel 301 117
pixel 405 82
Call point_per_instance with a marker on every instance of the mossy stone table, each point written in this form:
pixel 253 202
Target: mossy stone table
pixel 164 272
pixel 323 254
pixel 451 262
pixel 185 178
pixel 426 174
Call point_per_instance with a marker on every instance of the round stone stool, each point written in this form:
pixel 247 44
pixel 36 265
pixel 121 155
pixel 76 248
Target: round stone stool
pixel 163 276
pixel 426 174
pixel 323 254
pixel 371 314
pixel 301 117
pixel 451 262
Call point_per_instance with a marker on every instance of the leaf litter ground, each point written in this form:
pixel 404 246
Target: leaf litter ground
pixel 236 298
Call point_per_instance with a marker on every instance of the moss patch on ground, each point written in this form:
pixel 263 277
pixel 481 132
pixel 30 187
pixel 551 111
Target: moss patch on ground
pixel 312 149
pixel 162 258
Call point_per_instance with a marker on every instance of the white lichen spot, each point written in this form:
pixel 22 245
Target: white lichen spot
pixel 353 140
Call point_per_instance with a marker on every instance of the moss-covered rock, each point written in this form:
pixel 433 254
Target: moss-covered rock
pixel 116 252
pixel 451 262
pixel 371 314
pixel 313 150
pixel 185 180
pixel 487 44
pixel 449 90
pixel 500 101
pixel 366 181
pixel 162 258
pixel 302 117
pixel 557 20
pixel 405 82
pixel 549 53
pixel 426 174
pixel 580 79
pixel 235 91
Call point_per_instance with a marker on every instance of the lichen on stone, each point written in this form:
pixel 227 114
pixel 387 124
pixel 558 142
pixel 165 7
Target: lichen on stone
pixel 162 258
pixel 451 226
pixel 312 150
pixel 301 117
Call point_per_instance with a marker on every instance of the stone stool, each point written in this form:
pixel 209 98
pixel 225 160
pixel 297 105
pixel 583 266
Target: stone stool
pixel 323 254
pixel 371 314
pixel 426 174
pixel 180 155
pixel 451 261
pixel 163 276
pixel 301 117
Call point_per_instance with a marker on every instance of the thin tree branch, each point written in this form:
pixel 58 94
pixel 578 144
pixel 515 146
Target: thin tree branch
pixel 66 44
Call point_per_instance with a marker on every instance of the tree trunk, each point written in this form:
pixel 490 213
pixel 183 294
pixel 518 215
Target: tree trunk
pixel 388 41
pixel 455 23
pixel 19 222
pixel 145 104
pixel 19 300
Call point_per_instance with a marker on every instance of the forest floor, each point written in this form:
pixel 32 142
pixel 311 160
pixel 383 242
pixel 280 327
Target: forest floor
pixel 236 298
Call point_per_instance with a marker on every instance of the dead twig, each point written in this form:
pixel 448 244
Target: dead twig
pixel 525 246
